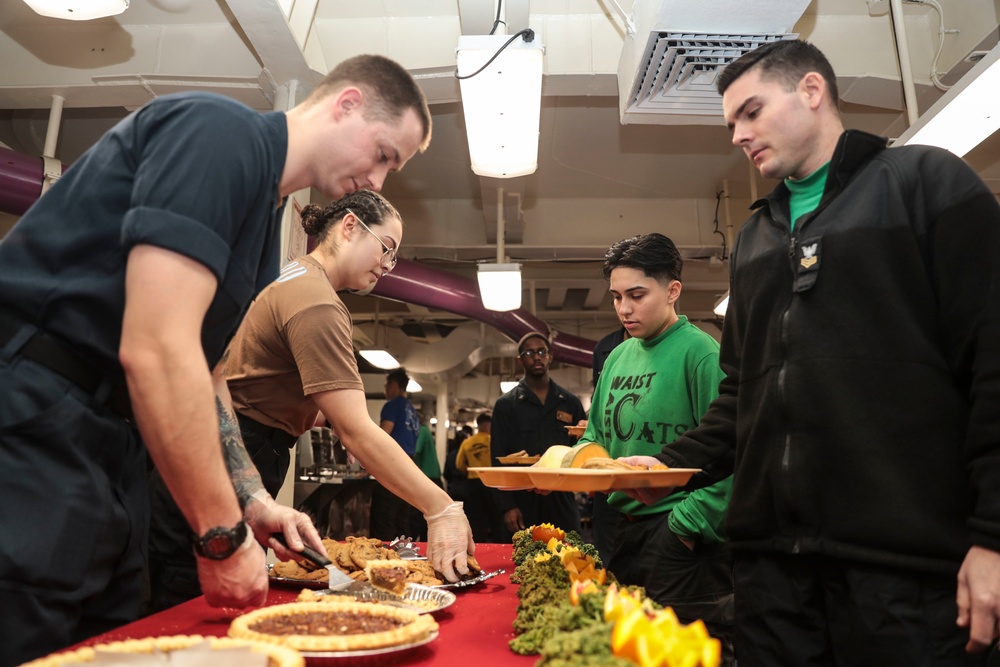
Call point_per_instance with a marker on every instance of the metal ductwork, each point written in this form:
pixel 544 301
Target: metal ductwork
pixel 675 48
pixel 417 284
pixel 21 178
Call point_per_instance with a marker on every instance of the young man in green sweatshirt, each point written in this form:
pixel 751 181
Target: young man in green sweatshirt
pixel 654 386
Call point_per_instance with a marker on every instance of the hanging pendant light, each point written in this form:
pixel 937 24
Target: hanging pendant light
pixel 78 10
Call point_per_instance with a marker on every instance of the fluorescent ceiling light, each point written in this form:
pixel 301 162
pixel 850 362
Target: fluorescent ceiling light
pixel 379 358
pixel 78 10
pixel 507 385
pixel 965 115
pixel 502 103
pixel 720 308
pixel 500 286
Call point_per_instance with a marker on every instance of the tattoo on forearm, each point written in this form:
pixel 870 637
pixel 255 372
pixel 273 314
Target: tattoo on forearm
pixel 246 479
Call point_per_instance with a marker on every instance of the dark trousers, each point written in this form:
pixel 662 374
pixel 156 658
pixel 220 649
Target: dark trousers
pixel 697 584
pixel 391 516
pixel 804 610
pixel 485 518
pixel 604 525
pixel 172 568
pixel 73 513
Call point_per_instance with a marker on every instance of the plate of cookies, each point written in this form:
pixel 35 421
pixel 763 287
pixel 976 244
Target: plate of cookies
pixel 351 556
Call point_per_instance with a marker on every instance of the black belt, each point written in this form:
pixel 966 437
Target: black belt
pixel 58 356
pixel 271 433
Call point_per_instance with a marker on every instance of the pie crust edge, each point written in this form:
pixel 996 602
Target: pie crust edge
pixel 416 627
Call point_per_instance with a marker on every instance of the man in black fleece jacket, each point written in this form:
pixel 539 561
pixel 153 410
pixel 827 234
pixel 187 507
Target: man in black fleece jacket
pixel 860 412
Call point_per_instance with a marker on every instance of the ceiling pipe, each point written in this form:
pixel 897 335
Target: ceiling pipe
pixel 903 57
pixel 53 168
pixel 415 283
pixel 21 184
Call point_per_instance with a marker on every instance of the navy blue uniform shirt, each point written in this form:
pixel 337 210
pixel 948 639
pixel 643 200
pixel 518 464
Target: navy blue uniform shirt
pixel 194 173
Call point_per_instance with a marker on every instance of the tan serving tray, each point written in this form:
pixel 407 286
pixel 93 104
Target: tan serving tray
pixel 578 479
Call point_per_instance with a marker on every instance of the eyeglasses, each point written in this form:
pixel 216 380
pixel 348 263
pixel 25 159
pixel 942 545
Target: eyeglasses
pixel 541 353
pixel 389 256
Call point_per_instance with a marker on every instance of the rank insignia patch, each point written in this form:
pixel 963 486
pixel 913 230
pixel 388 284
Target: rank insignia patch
pixel 809 256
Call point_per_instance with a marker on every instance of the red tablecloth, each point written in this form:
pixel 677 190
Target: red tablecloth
pixel 474 631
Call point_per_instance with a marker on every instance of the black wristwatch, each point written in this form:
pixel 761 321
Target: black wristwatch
pixel 219 543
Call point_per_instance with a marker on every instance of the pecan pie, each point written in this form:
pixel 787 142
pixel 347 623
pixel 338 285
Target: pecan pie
pixel 333 626
pixel 388 575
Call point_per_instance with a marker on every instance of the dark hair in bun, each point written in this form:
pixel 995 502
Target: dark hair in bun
pixel 367 205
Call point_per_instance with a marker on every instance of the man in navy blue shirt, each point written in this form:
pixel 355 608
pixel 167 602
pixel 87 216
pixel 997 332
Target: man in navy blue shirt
pixel 392 516
pixel 119 291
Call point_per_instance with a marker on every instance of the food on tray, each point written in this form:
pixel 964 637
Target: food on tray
pixel 334 626
pixel 388 575
pixel 277 656
pixel 553 456
pixel 353 556
pixel 578 456
pixel 522 457
pixel 603 463
pixel 564 456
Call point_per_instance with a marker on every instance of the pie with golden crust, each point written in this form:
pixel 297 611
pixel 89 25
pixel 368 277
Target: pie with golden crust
pixel 333 626
pixel 277 656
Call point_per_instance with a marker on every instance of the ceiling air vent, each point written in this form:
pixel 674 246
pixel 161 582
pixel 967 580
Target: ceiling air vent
pixel 674 49
pixel 678 76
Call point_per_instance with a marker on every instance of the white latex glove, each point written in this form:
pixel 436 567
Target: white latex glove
pixel 264 516
pixel 238 581
pixel 449 541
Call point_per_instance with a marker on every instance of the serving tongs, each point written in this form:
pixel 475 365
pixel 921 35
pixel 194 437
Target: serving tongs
pixel 406 549
pixel 338 580
pixel 478 579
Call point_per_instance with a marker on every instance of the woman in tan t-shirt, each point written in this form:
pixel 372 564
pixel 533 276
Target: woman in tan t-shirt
pixel 293 354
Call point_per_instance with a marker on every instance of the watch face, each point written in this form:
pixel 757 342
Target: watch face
pixel 219 546
pixel 219 543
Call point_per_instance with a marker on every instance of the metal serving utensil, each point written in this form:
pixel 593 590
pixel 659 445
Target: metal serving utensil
pixel 338 580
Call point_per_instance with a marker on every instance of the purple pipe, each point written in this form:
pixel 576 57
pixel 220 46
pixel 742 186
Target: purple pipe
pixel 415 283
pixel 21 184
pixel 20 181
